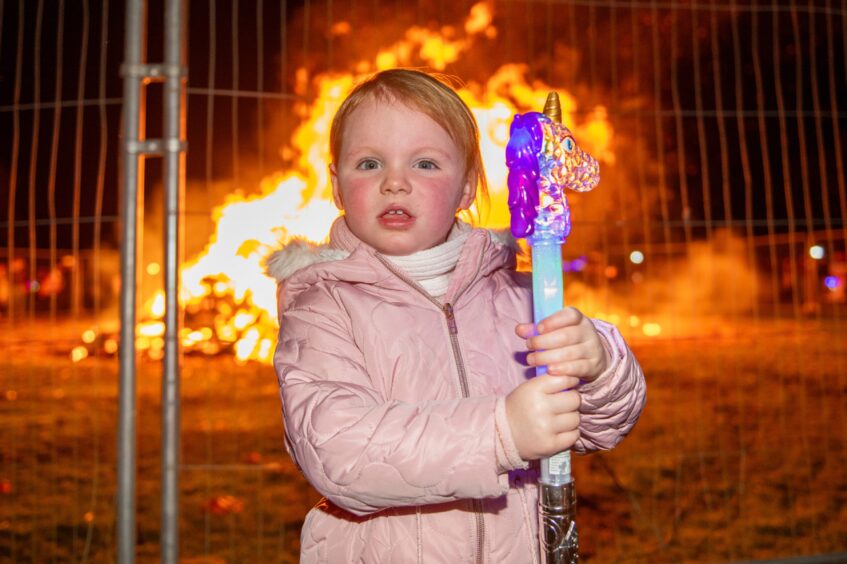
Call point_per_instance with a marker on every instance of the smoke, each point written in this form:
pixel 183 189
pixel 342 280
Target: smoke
pixel 714 277
pixel 696 292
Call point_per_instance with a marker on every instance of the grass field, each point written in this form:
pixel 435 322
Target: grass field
pixel 740 454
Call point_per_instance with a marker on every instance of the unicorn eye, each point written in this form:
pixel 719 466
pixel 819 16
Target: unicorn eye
pixel 569 144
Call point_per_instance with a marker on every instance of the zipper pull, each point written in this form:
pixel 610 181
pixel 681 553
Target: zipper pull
pixel 451 319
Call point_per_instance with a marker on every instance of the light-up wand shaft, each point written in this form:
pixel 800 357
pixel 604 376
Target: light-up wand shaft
pixel 543 161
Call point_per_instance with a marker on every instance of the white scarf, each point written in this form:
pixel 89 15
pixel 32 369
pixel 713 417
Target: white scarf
pixel 431 268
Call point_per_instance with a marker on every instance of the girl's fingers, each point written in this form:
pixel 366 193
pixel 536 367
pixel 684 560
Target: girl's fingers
pixel 566 423
pixel 562 401
pixel 565 441
pixel 554 339
pixel 552 384
pixel 577 368
pixel 558 355
pixel 567 402
pixel 525 330
pixel 565 317
pixel 561 337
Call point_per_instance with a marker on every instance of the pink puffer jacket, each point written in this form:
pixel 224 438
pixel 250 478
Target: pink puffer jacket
pixel 393 402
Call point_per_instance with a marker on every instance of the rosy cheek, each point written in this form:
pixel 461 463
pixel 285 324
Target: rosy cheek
pixel 443 196
pixel 354 192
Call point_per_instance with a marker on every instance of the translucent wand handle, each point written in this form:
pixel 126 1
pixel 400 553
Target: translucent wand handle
pixel 557 496
pixel 547 299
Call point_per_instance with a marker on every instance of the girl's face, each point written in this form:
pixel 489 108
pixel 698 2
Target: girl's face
pixel 399 178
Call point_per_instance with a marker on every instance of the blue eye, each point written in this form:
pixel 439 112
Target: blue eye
pixel 368 164
pixel 569 144
pixel 427 165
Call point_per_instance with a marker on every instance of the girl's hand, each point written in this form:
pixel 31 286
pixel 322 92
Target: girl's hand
pixel 567 343
pixel 544 420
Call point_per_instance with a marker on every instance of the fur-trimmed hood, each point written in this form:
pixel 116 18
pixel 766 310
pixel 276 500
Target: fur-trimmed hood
pixel 299 253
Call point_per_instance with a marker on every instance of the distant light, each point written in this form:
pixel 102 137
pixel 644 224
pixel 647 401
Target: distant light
pixel 340 28
pixel 636 257
pixel 89 336
pixel 34 286
pixel 79 353
pixel 577 265
pixel 816 252
pixel 832 282
pixel 153 268
pixel 652 329
pixel 611 271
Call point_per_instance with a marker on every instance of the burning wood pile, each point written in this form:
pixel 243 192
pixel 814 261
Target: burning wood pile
pixel 229 303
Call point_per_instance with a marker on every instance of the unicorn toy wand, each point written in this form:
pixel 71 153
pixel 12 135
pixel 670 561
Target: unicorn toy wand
pixel 543 161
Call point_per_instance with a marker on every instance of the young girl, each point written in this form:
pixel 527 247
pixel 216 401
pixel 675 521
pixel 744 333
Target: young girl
pixel 402 358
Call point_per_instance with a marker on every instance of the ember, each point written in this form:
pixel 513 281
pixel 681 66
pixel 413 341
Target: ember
pixel 224 505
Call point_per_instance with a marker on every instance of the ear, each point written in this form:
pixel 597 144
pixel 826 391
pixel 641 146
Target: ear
pixel 468 195
pixel 336 191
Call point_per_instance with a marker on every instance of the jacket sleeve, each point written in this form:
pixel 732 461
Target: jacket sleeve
pixel 612 403
pixel 366 452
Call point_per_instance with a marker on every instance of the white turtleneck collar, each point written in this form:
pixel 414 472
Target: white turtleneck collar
pixel 431 268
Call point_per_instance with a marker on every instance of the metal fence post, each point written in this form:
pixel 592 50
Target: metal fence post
pixel 174 172
pixel 126 448
pixel 136 74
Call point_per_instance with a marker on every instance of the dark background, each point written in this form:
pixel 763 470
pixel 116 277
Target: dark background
pixel 772 75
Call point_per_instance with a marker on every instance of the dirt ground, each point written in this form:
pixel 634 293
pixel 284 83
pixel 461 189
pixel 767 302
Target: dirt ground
pixel 739 455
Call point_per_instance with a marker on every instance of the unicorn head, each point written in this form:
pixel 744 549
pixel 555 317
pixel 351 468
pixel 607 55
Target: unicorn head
pixel 544 160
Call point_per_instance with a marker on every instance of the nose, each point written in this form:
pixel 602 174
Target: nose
pixel 395 182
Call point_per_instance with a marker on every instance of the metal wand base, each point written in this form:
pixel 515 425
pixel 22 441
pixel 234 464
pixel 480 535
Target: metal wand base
pixel 559 537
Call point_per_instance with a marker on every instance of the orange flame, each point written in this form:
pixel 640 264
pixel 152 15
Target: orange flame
pixel 229 271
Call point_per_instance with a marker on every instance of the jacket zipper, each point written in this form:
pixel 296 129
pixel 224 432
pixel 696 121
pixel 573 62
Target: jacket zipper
pixel 447 310
pixel 463 381
pixel 457 353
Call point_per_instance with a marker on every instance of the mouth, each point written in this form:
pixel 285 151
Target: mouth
pixel 396 212
pixel 396 217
